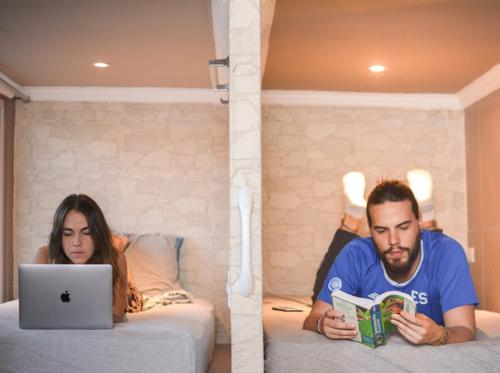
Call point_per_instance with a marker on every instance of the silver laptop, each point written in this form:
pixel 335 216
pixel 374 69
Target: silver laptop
pixel 65 296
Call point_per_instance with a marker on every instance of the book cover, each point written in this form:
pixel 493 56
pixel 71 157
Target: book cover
pixel 372 317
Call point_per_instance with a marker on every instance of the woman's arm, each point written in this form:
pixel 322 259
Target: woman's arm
pixel 119 242
pixel 42 255
pixel 120 290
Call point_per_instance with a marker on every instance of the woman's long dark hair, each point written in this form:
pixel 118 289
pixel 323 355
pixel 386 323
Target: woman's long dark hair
pixel 104 253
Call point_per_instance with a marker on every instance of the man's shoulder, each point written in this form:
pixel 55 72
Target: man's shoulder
pixel 360 247
pixel 364 242
pixel 438 238
pixel 438 243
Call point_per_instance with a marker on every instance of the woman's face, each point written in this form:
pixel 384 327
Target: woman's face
pixel 76 241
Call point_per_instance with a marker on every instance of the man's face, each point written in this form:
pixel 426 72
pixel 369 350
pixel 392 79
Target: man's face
pixel 396 234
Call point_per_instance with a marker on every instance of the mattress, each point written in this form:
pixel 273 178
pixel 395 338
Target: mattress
pixel 288 348
pixel 173 338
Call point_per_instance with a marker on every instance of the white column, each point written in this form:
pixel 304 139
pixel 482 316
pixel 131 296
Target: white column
pixel 245 169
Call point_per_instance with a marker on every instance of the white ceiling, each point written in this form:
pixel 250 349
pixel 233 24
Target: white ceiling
pixel 429 46
pixel 149 43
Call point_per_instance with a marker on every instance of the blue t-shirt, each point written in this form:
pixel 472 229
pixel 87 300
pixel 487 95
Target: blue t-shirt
pixel 441 282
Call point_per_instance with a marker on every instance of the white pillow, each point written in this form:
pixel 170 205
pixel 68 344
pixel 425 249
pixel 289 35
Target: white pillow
pixel 152 262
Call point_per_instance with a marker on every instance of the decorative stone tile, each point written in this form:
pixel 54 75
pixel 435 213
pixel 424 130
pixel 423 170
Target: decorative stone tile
pixel 139 143
pixel 318 131
pixel 102 149
pixel 377 141
pixel 63 160
pixel 122 155
pixel 285 259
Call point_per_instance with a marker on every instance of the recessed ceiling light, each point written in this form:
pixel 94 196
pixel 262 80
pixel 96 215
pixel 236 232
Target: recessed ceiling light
pixel 101 65
pixel 377 68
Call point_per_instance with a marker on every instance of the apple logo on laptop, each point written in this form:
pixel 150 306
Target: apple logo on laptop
pixel 65 297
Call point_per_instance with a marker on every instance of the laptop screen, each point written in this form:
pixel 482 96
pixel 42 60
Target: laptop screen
pixel 65 296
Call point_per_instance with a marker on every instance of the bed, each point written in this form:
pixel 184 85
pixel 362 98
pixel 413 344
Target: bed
pixel 288 348
pixel 173 338
pixel 177 337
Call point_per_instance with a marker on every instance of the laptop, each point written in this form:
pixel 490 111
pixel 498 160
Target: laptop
pixel 65 296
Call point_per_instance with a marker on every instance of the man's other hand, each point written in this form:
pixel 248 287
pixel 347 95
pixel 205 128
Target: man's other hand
pixel 418 329
pixel 333 326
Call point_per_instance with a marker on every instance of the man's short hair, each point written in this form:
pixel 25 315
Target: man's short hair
pixel 392 191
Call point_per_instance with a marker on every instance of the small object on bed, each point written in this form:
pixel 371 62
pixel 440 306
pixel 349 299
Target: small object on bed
pixel 286 309
pixel 169 297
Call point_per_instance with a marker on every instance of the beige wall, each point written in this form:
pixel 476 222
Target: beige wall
pixel 151 168
pixel 306 150
pixel 483 179
pixel 165 168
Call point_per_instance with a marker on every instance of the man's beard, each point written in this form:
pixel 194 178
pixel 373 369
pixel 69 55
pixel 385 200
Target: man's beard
pixel 398 268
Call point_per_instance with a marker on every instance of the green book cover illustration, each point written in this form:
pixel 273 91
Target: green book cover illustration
pixel 372 317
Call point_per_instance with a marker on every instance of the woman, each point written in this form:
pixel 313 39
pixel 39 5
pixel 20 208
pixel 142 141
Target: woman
pixel 80 235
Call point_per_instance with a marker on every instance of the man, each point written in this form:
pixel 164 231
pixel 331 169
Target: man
pixel 355 208
pixel 429 266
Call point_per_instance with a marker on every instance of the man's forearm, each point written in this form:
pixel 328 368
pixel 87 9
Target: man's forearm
pixel 311 322
pixel 458 334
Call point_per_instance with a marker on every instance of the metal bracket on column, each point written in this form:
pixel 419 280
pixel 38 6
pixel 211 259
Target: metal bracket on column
pixel 214 66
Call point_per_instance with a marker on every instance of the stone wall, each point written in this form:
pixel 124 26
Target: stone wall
pixel 165 168
pixel 151 167
pixel 307 150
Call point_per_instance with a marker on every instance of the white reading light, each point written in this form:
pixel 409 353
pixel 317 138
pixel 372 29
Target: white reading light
pixel 246 278
pixel 420 183
pixel 354 187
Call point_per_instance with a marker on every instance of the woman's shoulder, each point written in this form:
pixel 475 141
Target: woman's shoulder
pixel 120 255
pixel 121 262
pixel 42 255
pixel 120 242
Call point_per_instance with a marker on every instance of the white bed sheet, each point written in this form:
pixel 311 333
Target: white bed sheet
pixel 173 338
pixel 289 348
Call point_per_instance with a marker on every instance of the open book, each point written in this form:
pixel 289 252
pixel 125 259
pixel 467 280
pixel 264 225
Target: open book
pixel 372 317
